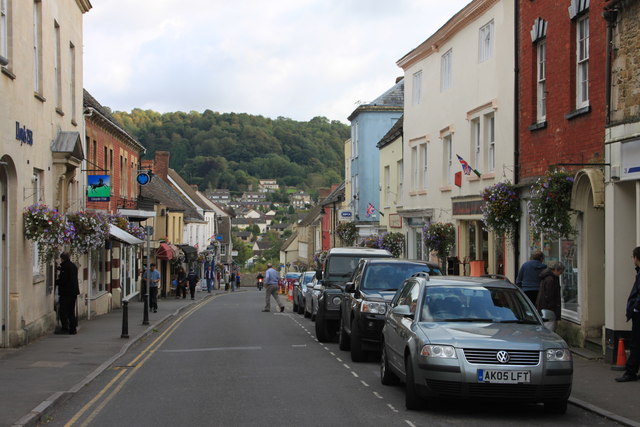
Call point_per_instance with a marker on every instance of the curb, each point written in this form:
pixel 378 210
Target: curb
pixel 603 412
pixel 59 397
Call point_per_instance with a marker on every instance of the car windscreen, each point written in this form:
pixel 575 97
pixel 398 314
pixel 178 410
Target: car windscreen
pixel 476 304
pixel 308 277
pixel 340 268
pixel 389 276
pixel 295 276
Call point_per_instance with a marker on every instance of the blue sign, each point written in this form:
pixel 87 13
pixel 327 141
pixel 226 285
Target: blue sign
pixel 218 236
pixel 143 178
pixel 346 214
pixel 24 135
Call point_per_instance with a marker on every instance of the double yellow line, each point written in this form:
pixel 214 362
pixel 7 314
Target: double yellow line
pixel 116 384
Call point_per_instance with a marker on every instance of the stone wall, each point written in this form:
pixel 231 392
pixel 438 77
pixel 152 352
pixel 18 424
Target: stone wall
pixel 626 64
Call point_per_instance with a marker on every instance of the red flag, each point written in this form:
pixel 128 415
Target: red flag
pixel 370 209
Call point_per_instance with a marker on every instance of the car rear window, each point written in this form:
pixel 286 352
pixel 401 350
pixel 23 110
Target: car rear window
pixel 476 304
pixel 389 277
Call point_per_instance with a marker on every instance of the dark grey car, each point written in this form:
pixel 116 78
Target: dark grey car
pixel 477 338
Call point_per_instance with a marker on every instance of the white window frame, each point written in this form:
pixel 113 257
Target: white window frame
pixel 582 61
pixel 354 139
pixel 57 69
pixel 424 167
pixel 476 143
pixel 414 168
pixel 490 126
pixel 485 42
pixel 447 159
pixel 387 185
pixel 37 46
pixel 4 29
pixel 446 77
pixel 417 88
pixel 541 80
pixel 400 171
pixel 73 83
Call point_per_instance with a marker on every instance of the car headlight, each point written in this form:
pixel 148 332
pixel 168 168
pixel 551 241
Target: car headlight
pixel 441 351
pixel 558 355
pixel 336 301
pixel 373 307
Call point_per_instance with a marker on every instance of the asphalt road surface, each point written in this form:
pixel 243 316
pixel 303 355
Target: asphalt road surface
pixel 226 363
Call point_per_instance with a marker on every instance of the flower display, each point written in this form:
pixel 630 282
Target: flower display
pixel 394 243
pixel 550 205
pixel 440 237
pixel 124 224
pixel 501 210
pixel 319 258
pixel 91 231
pixel 49 228
pixel 347 232
pixel 137 231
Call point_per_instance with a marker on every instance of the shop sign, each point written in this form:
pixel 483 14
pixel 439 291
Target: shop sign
pixel 469 207
pixel 98 188
pixel 24 135
pixel 630 154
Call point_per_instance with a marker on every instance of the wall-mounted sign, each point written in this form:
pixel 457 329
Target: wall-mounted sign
pixel 98 188
pixel 395 221
pixel 24 135
pixel 630 154
pixel 346 215
pixel 143 178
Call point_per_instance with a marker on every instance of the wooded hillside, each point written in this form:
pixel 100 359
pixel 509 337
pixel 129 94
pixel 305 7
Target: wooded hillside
pixel 232 151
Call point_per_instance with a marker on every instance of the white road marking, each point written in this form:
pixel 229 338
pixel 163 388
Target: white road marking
pixel 376 394
pixel 364 384
pixel 346 366
pixel 410 423
pixel 391 407
pixel 298 345
pixel 191 350
pixel 332 353
pixel 326 348
pixel 354 374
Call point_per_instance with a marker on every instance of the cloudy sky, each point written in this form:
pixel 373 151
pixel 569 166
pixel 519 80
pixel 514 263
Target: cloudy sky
pixel 293 58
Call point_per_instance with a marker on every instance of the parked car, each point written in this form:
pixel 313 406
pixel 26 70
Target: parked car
pixel 373 285
pixel 476 338
pixel 311 299
pixel 299 289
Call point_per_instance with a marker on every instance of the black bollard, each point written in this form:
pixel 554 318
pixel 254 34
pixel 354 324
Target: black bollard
pixel 125 319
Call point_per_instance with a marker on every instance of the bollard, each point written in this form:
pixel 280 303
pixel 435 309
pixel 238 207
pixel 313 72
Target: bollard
pixel 125 319
pixel 145 315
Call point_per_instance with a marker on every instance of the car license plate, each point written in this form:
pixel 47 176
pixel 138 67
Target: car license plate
pixel 503 377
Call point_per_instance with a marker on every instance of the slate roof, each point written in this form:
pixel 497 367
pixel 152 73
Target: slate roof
pixel 394 133
pixel 336 195
pixel 161 191
pixel 289 241
pixel 391 100
pixel 68 142
pixel 311 216
pixel 184 186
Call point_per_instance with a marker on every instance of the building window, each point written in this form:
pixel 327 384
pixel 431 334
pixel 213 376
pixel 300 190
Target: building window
pixel 485 48
pixel 446 79
pixel 424 166
pixel 72 80
pixel 417 87
pixel 476 143
pixel 37 47
pixel 414 168
pixel 447 160
pixel 354 139
pixel 541 95
pixel 387 186
pixel 582 62
pixel 491 142
pixel 56 67
pixel 400 171
pixel 4 31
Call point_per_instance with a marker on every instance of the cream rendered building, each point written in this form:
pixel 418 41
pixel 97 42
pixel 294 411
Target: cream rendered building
pixel 391 179
pixel 459 101
pixel 41 151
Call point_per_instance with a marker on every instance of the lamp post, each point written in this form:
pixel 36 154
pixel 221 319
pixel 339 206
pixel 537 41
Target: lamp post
pixel 145 286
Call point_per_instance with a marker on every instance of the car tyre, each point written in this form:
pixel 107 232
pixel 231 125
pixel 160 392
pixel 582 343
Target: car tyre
pixel 295 305
pixel 556 407
pixel 357 353
pixel 301 307
pixel 322 331
pixel 306 313
pixel 412 400
pixel 387 377
pixel 343 338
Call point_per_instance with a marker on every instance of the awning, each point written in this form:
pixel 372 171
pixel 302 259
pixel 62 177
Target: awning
pixel 165 252
pixel 121 235
pixel 190 253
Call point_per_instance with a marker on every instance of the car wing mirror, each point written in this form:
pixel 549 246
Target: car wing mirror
pixel 402 310
pixel 318 287
pixel 548 315
pixel 350 287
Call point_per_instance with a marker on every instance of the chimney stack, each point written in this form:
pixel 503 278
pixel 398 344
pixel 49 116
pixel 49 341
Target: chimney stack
pixel 161 164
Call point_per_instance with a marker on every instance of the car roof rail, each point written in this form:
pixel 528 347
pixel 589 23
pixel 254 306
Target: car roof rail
pixel 422 274
pixel 496 276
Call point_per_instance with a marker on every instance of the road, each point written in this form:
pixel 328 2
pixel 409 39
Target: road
pixel 225 362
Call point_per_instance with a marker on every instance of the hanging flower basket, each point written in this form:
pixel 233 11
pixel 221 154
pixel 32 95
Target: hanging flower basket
pixel 137 231
pixel 440 237
pixel 394 243
pixel 319 259
pixel 550 205
pixel 91 231
pixel 501 210
pixel 49 229
pixel 347 232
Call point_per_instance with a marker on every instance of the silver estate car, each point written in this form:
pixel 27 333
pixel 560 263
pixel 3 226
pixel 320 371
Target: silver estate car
pixel 473 338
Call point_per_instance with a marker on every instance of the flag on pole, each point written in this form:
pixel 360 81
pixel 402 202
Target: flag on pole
pixel 466 168
pixel 372 209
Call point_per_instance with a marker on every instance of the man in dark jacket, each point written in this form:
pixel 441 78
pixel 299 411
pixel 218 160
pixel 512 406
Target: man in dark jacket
pixel 633 314
pixel 193 280
pixel 68 291
pixel 529 275
pixel 549 297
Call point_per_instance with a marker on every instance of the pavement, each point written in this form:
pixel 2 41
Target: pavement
pixel 38 377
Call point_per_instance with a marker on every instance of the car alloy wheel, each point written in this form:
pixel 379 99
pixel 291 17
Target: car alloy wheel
pixel 387 377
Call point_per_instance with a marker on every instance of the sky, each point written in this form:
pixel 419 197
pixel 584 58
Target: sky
pixel 281 58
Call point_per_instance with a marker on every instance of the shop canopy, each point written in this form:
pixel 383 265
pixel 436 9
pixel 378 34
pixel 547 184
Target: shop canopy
pixel 165 252
pixel 119 234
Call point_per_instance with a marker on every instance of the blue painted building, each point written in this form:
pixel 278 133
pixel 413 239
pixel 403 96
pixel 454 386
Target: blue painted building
pixel 369 123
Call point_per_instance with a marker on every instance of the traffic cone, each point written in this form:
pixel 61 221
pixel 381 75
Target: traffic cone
pixel 290 296
pixel 621 359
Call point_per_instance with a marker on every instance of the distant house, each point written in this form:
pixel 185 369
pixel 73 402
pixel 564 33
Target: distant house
pixel 245 236
pixel 259 247
pixel 253 196
pixel 280 228
pixel 268 185
pixel 220 195
pixel 300 199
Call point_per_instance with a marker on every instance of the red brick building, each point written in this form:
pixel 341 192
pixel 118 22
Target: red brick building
pixel 562 50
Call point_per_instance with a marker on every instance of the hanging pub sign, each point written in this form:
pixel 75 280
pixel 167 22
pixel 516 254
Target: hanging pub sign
pixel 98 188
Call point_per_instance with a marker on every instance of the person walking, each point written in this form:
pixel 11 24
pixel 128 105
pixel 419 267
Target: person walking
pixel 633 314
pixel 549 295
pixel 529 275
pixel 193 280
pixel 181 289
pixel 237 278
pixel 153 281
pixel 209 276
pixel 68 291
pixel 271 281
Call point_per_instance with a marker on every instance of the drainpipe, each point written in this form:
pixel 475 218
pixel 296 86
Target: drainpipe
pixel 610 15
pixel 516 121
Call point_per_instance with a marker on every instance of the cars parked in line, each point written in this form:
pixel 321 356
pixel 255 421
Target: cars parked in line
pixel 337 270
pixel 477 338
pixel 288 280
pixel 372 286
pixel 299 289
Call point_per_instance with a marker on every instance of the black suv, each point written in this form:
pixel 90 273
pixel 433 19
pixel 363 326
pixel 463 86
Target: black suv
pixel 373 285
pixel 337 270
